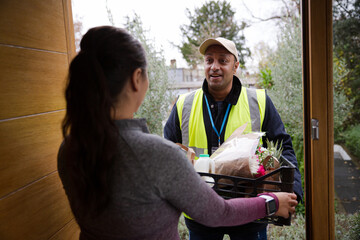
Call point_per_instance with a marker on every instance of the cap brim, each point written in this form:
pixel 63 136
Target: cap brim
pixel 207 43
pixel 212 41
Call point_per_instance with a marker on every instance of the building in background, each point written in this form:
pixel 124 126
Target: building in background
pixel 184 79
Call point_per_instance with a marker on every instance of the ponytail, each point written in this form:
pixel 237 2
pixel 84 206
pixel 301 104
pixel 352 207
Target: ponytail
pixel 97 75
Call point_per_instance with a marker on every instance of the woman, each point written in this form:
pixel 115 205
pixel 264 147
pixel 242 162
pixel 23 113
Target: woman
pixel 121 181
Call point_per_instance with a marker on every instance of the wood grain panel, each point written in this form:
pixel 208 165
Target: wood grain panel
pixel 317 79
pixel 34 24
pixel 69 28
pixel 31 81
pixel 28 149
pixel 70 232
pixel 36 212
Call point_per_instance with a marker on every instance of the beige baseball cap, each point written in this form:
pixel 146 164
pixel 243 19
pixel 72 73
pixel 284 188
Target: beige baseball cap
pixel 229 45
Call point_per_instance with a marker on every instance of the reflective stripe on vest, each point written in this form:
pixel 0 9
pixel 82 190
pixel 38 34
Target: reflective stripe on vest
pixel 250 109
pixel 188 113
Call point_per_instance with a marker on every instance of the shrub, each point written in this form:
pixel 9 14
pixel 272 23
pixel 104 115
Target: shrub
pixel 266 78
pixel 285 70
pixel 352 139
pixel 157 100
pixel 295 231
pixel 347 226
pixel 342 104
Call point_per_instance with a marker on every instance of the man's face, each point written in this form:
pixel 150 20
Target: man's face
pixel 220 66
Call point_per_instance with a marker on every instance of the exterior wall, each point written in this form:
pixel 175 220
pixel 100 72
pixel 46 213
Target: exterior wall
pixel 176 75
pixel 194 75
pixel 36 46
pixel 180 75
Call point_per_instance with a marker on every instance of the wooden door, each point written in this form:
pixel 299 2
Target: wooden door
pixel 36 46
pixel 318 106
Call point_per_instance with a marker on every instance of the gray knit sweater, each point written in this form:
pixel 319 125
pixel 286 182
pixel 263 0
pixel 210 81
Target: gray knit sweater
pixel 153 183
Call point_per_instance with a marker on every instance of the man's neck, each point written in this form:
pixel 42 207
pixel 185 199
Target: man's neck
pixel 220 95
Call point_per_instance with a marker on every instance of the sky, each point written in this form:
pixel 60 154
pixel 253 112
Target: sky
pixel 163 18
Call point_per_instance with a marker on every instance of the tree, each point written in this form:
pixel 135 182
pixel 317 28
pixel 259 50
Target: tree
pixel 286 93
pixel 109 13
pixel 342 105
pixel 78 26
pixel 155 107
pixel 157 101
pixel 346 32
pixel 286 70
pixel 291 9
pixel 213 19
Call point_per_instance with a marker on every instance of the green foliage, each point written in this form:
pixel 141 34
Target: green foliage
pixel 157 99
pixel 347 226
pixel 346 32
pixel 298 145
pixel 286 70
pixel 213 19
pixel 342 104
pixel 340 73
pixel 272 149
pixel 352 139
pixel 295 231
pixel 286 93
pixel 300 209
pixel 263 52
pixel 346 26
pixel 343 107
pixel 266 78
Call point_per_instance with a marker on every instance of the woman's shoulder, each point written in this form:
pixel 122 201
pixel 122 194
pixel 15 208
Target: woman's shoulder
pixel 152 143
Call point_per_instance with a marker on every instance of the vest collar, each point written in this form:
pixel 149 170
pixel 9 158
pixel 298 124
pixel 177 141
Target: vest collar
pixel 232 97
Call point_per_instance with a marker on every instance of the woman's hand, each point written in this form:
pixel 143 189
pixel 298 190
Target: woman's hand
pixel 287 204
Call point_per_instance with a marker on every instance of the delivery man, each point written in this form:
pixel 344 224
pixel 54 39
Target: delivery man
pixel 205 118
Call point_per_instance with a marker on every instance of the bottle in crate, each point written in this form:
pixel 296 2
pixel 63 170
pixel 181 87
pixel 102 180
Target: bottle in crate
pixel 207 165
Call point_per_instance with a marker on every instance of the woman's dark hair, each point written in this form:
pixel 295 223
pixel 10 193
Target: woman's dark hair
pixel 106 61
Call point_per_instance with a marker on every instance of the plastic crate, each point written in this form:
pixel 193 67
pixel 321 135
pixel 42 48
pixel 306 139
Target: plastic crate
pixel 234 187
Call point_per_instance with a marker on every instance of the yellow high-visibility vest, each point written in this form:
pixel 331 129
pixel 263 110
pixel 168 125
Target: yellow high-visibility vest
pixel 250 108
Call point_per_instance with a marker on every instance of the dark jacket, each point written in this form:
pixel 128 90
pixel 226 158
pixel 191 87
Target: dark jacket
pixel 272 126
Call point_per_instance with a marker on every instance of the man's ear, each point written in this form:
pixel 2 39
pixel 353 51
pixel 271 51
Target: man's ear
pixel 136 79
pixel 236 65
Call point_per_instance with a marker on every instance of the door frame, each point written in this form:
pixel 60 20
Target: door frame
pixel 318 104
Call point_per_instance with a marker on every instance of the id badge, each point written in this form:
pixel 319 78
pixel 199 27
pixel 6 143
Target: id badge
pixel 213 149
